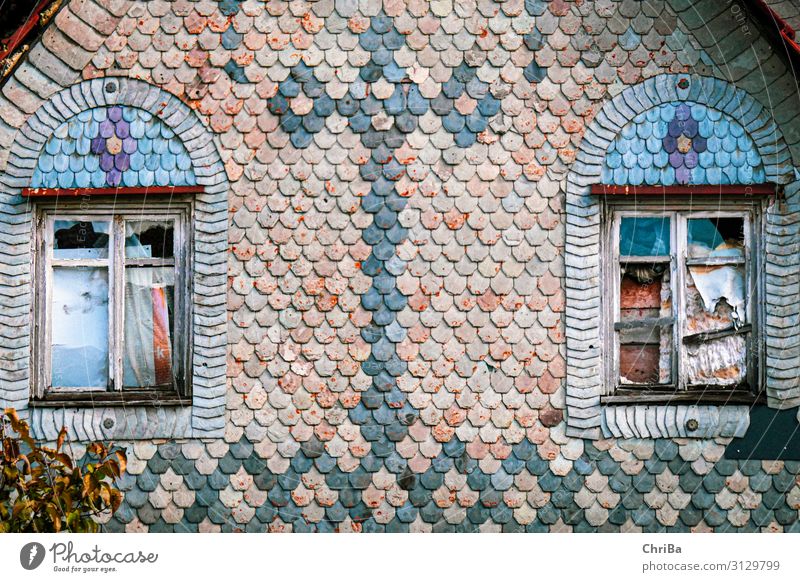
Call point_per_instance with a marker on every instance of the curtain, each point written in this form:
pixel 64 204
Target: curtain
pixel 147 335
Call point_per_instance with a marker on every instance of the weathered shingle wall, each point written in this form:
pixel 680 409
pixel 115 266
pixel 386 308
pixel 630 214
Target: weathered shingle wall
pixel 32 153
pixel 761 134
pixel 396 338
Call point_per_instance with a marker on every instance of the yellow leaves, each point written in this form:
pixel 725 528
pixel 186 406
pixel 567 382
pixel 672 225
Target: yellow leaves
pixel 45 490
pixel 89 484
pixel 105 493
pixel 55 516
pixel 116 500
pixel 12 416
pixel 19 426
pixel 66 499
pixel 64 459
pixel 23 509
pixel 25 464
pixel 122 459
pixel 73 520
pixel 62 434
pixel 97 449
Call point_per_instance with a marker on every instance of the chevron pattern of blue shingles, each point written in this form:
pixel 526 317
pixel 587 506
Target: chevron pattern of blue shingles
pixel 683 143
pixel 113 147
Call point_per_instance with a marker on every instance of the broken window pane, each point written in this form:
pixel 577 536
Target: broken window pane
pixel 78 239
pixel 149 326
pixel 705 341
pixel 644 236
pixel 149 239
pixel 715 301
pixel 645 333
pixel 716 237
pixel 718 362
pixel 79 327
pixel 715 298
pixel 646 356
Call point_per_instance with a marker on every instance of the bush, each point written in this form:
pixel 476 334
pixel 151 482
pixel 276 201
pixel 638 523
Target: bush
pixel 42 489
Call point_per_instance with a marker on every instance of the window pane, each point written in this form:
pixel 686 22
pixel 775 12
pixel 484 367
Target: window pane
pixel 715 301
pixel 645 356
pixel 645 311
pixel 79 315
pixel 149 326
pixel 149 239
pixel 74 239
pixel 644 236
pixel 715 297
pixel 716 237
pixel 719 362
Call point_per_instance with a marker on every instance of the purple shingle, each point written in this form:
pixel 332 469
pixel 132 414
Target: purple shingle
pixel 106 128
pixel 114 177
pixel 98 145
pixel 699 144
pixel 122 161
pixel 106 161
pixel 122 129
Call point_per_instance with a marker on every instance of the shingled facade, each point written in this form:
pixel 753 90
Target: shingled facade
pixel 394 226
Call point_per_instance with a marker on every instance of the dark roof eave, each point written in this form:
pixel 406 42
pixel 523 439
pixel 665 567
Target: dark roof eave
pixel 15 46
pixel 777 30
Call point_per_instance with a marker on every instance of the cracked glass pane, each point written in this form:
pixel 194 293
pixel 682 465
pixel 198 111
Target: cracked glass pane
pixel 716 237
pixel 149 239
pixel 78 239
pixel 715 298
pixel 718 362
pixel 716 302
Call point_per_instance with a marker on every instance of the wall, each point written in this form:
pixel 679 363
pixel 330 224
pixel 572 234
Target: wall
pixel 396 275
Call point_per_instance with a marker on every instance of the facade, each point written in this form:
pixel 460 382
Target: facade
pixel 406 266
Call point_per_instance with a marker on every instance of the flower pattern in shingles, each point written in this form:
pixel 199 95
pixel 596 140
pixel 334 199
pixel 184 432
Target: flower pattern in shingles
pixel 683 143
pixel 113 147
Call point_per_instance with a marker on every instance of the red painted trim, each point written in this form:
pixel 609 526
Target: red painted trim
pixel 67 192
pixel 768 189
pixel 784 27
pixel 777 26
pixel 16 39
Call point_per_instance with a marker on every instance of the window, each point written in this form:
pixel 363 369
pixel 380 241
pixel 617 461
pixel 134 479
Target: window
pixel 682 303
pixel 111 305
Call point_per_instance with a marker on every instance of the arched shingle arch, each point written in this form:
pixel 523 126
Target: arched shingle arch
pixel 583 227
pixel 205 417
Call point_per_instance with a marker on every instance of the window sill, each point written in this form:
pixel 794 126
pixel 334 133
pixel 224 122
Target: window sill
pixel 132 398
pixel 707 396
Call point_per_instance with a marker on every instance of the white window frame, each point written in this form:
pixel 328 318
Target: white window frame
pixel 680 210
pixel 117 212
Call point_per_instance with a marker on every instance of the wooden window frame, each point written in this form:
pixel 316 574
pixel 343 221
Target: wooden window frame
pixel 679 209
pixel 117 211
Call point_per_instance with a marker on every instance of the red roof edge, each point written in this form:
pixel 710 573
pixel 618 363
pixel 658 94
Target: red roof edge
pixel 776 25
pixel 119 191
pixel 722 190
pixel 16 39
